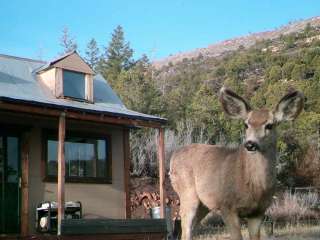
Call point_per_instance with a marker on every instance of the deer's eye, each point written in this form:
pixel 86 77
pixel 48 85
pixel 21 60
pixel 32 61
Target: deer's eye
pixel 246 126
pixel 269 126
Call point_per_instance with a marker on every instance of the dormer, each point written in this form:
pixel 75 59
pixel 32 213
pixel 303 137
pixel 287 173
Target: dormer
pixel 68 77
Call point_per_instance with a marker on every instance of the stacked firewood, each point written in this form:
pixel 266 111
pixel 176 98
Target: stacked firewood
pixel 148 200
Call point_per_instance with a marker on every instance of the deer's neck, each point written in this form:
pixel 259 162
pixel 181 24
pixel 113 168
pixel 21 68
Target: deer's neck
pixel 258 169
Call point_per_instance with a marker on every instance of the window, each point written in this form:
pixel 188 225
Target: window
pixel 87 158
pixel 74 84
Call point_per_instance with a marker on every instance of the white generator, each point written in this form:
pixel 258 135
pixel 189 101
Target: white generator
pixel 46 214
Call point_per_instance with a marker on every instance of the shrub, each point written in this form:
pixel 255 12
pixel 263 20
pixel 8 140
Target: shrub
pixel 144 146
pixel 294 207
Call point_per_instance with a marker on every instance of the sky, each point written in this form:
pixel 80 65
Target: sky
pixel 157 28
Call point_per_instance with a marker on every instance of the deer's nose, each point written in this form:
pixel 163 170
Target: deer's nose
pixel 251 146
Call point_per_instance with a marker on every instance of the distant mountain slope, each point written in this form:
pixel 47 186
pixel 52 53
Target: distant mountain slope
pixel 218 49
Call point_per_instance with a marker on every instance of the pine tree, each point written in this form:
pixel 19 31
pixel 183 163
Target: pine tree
pixel 92 54
pixel 67 42
pixel 118 56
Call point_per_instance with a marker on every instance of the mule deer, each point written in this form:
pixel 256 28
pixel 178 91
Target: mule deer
pixel 236 182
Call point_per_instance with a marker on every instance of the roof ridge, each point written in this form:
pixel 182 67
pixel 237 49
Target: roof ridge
pixel 22 58
pixel 60 58
pixel 57 59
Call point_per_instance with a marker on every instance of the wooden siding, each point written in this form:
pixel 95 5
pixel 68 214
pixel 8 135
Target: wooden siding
pixel 89 88
pixel 59 83
pixel 48 80
pixel 52 80
pixel 74 63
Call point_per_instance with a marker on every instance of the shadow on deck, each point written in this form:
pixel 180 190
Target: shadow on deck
pixel 103 229
pixel 149 236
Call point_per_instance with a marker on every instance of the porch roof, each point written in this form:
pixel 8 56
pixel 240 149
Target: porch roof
pixel 19 85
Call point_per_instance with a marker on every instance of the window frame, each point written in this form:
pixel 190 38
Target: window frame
pixel 85 87
pixel 46 134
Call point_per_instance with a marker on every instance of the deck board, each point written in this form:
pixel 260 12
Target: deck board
pixel 105 229
pixel 112 226
pixel 148 236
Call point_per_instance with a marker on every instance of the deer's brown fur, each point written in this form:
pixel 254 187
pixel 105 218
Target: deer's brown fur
pixel 235 182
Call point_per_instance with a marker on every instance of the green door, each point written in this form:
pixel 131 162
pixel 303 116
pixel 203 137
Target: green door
pixel 9 184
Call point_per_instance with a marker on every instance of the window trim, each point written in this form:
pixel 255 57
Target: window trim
pixel 54 179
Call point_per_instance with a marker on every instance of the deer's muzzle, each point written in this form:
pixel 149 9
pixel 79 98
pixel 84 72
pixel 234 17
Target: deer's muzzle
pixel 251 146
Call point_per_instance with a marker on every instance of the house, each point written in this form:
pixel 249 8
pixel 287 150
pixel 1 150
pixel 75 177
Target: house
pixel 64 136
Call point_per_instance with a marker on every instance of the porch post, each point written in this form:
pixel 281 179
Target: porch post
pixel 127 157
pixel 162 172
pixel 61 169
pixel 25 184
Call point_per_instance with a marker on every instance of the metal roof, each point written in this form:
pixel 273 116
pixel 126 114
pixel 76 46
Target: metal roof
pixel 18 83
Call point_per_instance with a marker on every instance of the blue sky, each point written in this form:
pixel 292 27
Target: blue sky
pixel 157 28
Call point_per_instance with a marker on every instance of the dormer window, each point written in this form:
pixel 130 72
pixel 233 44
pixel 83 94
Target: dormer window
pixel 68 77
pixel 74 85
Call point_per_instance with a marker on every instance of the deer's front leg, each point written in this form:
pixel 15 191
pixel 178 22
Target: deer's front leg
pixel 232 221
pixel 254 225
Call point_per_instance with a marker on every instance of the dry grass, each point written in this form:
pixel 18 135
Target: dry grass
pixel 144 146
pixel 293 207
pixel 289 232
pixel 288 211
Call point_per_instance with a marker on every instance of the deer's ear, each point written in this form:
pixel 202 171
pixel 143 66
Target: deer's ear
pixel 289 107
pixel 233 105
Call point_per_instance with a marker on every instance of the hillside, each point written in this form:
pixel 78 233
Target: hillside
pixel 219 49
pixel 186 93
pixel 261 67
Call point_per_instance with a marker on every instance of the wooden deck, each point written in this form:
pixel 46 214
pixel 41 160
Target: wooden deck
pixel 105 229
pixel 147 236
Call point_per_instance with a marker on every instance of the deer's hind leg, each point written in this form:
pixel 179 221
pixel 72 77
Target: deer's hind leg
pixel 232 222
pixel 189 206
pixel 202 212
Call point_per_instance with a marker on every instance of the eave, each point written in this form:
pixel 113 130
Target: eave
pixel 51 110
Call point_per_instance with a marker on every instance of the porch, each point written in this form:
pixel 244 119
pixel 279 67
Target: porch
pixel 24 123
pixel 132 229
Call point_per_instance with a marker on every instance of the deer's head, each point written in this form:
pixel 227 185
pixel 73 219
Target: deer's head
pixel 260 124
